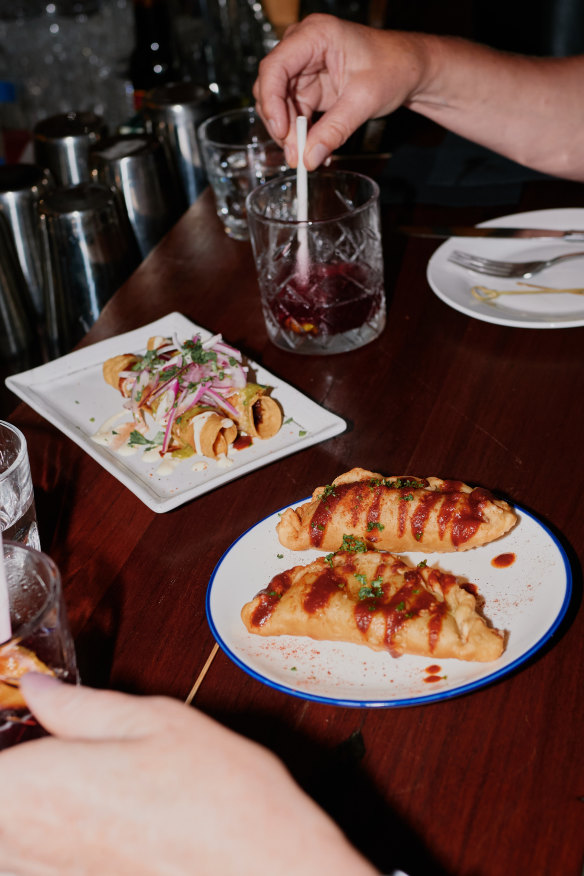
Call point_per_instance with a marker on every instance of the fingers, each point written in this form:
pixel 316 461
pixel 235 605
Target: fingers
pixel 334 128
pixel 276 89
pixel 75 712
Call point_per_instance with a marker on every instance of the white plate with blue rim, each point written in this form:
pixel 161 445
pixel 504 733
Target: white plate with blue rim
pixel 524 577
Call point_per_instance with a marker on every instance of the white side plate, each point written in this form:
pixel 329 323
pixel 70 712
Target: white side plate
pixel 452 284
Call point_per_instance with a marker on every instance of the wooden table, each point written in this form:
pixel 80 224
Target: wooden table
pixel 486 784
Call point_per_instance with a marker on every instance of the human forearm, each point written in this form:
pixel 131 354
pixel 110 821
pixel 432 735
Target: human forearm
pixel 529 109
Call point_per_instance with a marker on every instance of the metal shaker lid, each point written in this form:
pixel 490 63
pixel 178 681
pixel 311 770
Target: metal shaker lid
pixel 178 99
pixel 72 124
pixel 113 149
pixel 83 198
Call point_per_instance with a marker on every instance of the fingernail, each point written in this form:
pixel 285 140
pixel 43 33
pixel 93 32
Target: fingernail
pixel 317 155
pixel 272 127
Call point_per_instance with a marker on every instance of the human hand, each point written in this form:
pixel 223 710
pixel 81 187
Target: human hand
pixel 147 785
pixel 349 72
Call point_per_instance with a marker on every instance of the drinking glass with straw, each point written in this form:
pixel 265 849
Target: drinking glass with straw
pixel 34 634
pixel 317 246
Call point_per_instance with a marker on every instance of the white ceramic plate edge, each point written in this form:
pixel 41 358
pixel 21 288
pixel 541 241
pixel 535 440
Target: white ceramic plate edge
pixel 561 218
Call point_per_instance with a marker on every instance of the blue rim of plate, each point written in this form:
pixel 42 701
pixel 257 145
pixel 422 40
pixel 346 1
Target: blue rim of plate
pixel 402 702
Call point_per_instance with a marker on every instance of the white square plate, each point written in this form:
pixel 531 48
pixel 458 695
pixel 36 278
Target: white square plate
pixel 71 393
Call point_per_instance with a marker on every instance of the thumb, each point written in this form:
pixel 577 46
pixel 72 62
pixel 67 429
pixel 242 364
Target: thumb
pixel 76 712
pixel 335 127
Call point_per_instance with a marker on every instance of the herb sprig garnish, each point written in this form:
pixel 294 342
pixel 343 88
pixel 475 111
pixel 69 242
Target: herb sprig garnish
pixel 136 438
pixel 328 491
pixel 370 591
pixel 350 544
pixel 397 484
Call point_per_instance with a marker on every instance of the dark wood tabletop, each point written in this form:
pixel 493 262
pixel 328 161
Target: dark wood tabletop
pixel 486 784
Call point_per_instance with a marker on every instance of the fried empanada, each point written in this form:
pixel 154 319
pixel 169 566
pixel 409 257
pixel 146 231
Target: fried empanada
pixel 376 599
pixel 396 514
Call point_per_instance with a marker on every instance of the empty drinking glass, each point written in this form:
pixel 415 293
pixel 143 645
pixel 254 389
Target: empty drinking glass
pixel 239 155
pixel 18 520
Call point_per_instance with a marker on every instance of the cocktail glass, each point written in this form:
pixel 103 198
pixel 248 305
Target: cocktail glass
pixel 321 279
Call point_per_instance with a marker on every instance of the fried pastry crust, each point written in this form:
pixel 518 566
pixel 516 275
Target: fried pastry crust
pixel 396 514
pixel 376 599
pixel 15 661
pixel 112 368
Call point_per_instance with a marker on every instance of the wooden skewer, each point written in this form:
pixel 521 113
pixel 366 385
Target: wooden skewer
pixel 202 674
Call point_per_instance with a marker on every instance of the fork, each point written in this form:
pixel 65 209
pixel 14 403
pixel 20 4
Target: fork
pixel 506 269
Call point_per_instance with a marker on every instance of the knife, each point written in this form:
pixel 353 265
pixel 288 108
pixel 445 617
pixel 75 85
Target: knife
pixel 474 231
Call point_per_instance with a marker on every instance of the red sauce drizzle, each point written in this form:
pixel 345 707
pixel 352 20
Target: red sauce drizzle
pixel 503 560
pixel 446 512
pixel 269 598
pixel 409 601
pixel 422 512
pixel 402 513
pixel 364 613
pixel 432 679
pixel 373 515
pixel 321 590
pixel 462 512
pixel 324 511
pixel 242 441
pixel 439 610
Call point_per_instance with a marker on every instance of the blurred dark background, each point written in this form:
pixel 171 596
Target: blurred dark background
pixel 539 27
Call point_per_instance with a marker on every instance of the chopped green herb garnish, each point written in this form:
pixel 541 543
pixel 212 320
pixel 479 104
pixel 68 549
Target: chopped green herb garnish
pixel 372 525
pixel 371 591
pixel 137 438
pixel 351 543
pixel 329 490
pixel 422 564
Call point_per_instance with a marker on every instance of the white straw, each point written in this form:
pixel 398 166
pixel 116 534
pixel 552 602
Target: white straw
pixel 302 199
pixel 5 625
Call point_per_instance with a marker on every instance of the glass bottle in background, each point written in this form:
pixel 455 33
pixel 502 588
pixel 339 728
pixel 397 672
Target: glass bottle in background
pixel 153 61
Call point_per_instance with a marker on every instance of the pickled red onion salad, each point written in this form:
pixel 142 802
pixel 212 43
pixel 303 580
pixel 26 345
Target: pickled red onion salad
pixel 173 378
